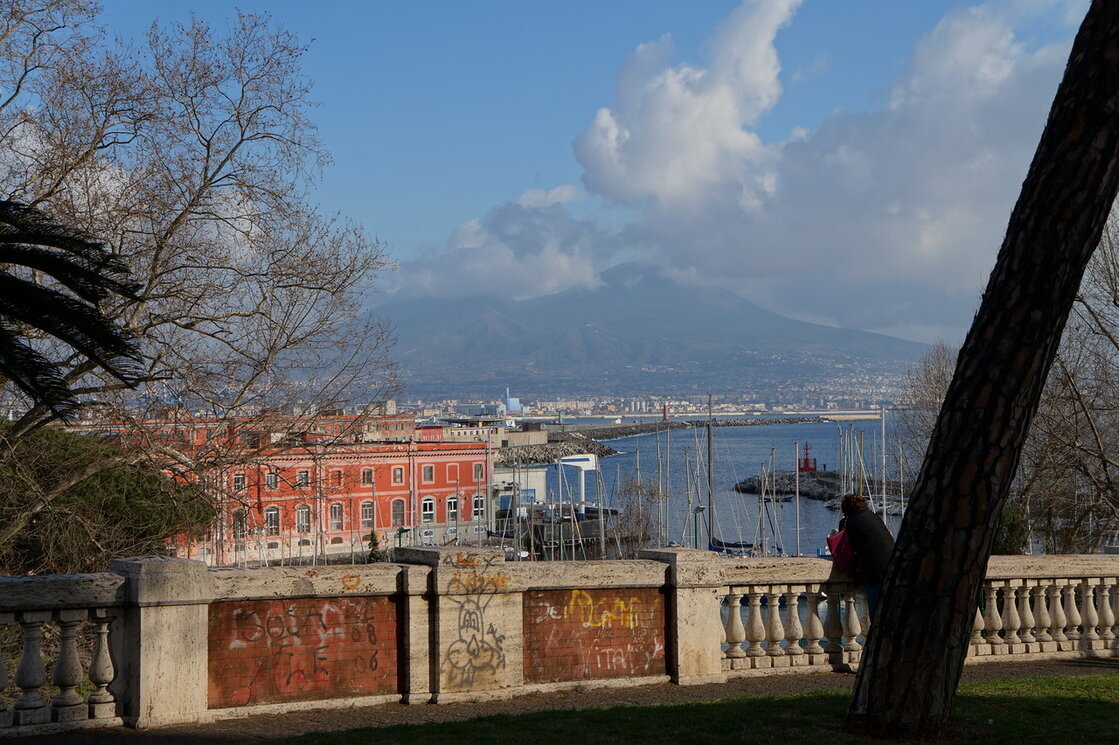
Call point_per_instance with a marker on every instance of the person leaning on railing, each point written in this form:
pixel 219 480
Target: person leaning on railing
pixel 872 543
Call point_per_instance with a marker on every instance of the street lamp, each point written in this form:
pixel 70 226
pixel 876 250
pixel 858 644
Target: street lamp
pixel 400 535
pixel 695 523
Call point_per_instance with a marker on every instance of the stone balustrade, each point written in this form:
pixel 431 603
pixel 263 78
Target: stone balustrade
pixel 160 641
pixel 798 615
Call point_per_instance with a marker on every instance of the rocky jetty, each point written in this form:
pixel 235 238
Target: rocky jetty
pixel 523 455
pixel 819 485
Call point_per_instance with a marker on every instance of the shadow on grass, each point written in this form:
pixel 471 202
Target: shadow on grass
pixel 1020 711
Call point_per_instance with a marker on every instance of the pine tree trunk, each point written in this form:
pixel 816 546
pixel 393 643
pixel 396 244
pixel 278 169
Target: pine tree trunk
pixel 913 659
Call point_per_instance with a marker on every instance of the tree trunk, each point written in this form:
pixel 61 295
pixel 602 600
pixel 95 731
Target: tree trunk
pixel 913 659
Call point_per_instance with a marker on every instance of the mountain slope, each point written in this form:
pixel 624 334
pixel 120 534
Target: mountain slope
pixel 638 332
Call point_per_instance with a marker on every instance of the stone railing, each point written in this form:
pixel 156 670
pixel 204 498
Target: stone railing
pixel 797 615
pixel 71 609
pixel 159 641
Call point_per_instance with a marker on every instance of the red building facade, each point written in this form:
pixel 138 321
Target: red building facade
pixel 318 500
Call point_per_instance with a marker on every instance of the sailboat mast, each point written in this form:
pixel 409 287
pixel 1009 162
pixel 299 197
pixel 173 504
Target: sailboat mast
pixel 882 412
pixel 711 522
pixel 796 477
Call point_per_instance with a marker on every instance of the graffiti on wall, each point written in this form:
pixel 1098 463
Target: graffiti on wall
pixel 263 651
pixel 477 647
pixel 587 634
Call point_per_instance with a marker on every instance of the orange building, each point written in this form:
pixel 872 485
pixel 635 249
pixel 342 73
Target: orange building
pixel 330 499
pixel 304 487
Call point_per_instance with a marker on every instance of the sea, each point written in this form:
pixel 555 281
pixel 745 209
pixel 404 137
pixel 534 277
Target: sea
pixel 671 457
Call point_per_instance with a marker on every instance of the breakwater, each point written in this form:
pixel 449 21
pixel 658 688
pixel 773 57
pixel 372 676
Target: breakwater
pixel 615 431
pixel 820 485
pixel 523 455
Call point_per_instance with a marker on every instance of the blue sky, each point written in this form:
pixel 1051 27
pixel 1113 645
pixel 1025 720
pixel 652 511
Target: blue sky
pixel 827 150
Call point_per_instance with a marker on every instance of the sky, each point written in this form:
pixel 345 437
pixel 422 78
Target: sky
pixel 849 163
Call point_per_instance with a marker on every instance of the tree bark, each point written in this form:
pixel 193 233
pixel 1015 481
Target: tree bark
pixel 913 659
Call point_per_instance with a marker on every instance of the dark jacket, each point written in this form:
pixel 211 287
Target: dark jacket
pixel 872 544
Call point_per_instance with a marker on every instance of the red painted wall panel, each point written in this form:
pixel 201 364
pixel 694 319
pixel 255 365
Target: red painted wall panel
pixel 267 651
pixel 589 634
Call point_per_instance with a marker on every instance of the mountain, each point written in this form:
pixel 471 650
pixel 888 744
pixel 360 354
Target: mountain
pixel 637 333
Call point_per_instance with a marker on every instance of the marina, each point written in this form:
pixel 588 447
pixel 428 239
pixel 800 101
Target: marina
pixel 671 467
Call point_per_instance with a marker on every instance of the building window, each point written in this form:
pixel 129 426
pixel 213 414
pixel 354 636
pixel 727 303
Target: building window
pixel 336 478
pixel 479 507
pixel 452 531
pixel 428 474
pixel 272 521
pixel 397 512
pixel 479 471
pixel 427 510
pixel 452 509
pixel 302 478
pixel 427 536
pixel 303 519
pixel 336 516
pixel 238 482
pixel 398 475
pixel 367 514
pixel 272 479
pixel 240 524
pixel 367 475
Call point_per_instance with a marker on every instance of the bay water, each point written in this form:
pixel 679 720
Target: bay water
pixel 738 452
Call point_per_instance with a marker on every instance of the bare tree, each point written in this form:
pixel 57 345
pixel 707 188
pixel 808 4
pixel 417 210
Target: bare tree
pixel 193 156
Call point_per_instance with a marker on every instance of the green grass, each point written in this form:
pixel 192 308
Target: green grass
pixel 1052 709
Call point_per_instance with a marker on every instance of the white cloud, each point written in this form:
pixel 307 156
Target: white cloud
pixel 888 220
pixel 517 250
pixel 675 133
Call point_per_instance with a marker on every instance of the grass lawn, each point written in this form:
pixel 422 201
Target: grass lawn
pixel 1056 709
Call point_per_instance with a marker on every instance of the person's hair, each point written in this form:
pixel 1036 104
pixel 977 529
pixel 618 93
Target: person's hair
pixel 853 503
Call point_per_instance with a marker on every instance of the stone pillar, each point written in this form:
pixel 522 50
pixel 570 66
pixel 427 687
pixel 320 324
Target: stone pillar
pixel 695 628
pixel 416 608
pixel 477 634
pixel 160 641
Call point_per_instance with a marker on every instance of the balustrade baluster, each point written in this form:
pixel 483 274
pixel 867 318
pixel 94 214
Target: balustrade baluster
pixel 101 672
pixel 68 705
pixel 977 643
pixel 1107 613
pixel 1072 612
pixel 755 629
pixel 833 627
pixel 1010 620
pixel 794 631
pixel 5 710
pixel 1025 615
pixel 1091 616
pixel 1057 614
pixel 852 628
pixel 734 631
pixel 863 609
pixel 814 628
pixel 30 708
pixel 1115 605
pixel 1041 613
pixel 775 629
pixel 991 619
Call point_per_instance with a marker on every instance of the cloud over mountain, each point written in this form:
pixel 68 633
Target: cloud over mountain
pixel 887 220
